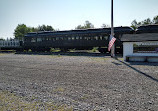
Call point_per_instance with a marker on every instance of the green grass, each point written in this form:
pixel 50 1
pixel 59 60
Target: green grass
pixel 2 54
pixel 54 50
pixel 100 59
pixel 11 102
pixel 95 49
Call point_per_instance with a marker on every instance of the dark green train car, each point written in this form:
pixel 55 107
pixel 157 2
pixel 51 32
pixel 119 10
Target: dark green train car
pixel 74 39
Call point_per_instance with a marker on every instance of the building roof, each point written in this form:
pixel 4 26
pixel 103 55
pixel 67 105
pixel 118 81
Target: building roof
pixel 139 37
pixel 148 29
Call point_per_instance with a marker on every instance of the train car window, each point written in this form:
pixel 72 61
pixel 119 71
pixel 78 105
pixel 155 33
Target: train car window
pixel 92 38
pixel 96 38
pixel 69 38
pixel 77 38
pixel 57 38
pixel 80 38
pixel 33 40
pixel 52 38
pixel 65 38
pixel 39 39
pixel 47 38
pixel 73 38
pixel 101 38
pixel 106 37
pixel 43 38
pixel 85 38
pixel 61 38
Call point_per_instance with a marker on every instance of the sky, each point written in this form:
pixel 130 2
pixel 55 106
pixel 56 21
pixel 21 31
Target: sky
pixel 68 14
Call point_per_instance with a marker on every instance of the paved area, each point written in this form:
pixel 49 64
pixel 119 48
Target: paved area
pixel 83 82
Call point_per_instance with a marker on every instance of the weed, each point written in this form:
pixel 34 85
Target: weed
pixel 95 49
pixel 54 50
pixel 59 89
pixel 11 102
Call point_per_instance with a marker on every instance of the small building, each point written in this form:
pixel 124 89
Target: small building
pixel 140 47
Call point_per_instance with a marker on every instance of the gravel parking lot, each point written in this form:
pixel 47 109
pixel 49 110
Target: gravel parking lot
pixel 81 82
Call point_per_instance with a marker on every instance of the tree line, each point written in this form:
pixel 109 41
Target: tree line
pixel 22 29
pixel 147 21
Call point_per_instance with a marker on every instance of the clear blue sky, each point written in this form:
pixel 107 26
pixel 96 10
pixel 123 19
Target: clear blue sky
pixel 67 14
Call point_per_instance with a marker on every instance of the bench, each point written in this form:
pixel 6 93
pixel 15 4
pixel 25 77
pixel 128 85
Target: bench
pixel 141 58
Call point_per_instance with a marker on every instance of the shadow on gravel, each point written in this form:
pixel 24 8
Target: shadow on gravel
pixel 140 72
pixel 91 54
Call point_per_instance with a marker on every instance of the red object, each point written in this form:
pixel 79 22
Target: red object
pixel 112 41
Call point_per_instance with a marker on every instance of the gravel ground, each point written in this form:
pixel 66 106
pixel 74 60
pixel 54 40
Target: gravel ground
pixel 81 82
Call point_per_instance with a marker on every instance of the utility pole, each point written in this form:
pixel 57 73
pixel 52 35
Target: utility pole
pixel 112 31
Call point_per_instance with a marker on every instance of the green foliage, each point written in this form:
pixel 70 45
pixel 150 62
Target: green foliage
pixel 135 24
pixel 54 50
pixel 105 26
pixel 20 31
pixel 11 102
pixel 2 39
pixel 95 49
pixel 155 20
pixel 87 25
pixel 33 29
pixel 147 21
pixel 45 28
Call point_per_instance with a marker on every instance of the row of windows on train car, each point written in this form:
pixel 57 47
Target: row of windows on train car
pixel 39 39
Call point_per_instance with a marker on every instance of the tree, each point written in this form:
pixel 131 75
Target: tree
pixel 33 29
pixel 155 20
pixel 105 26
pixel 80 27
pixel 45 28
pixel 20 31
pixel 1 39
pixel 87 25
pixel 147 22
pixel 135 24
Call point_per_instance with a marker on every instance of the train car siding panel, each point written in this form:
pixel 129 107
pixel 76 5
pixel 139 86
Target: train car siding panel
pixel 84 39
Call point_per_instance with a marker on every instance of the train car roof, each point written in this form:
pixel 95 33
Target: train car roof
pixel 83 31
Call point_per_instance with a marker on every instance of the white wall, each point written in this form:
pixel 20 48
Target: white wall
pixel 128 50
pixel 9 43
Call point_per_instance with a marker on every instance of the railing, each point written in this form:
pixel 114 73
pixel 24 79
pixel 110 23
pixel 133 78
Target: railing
pixel 9 43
